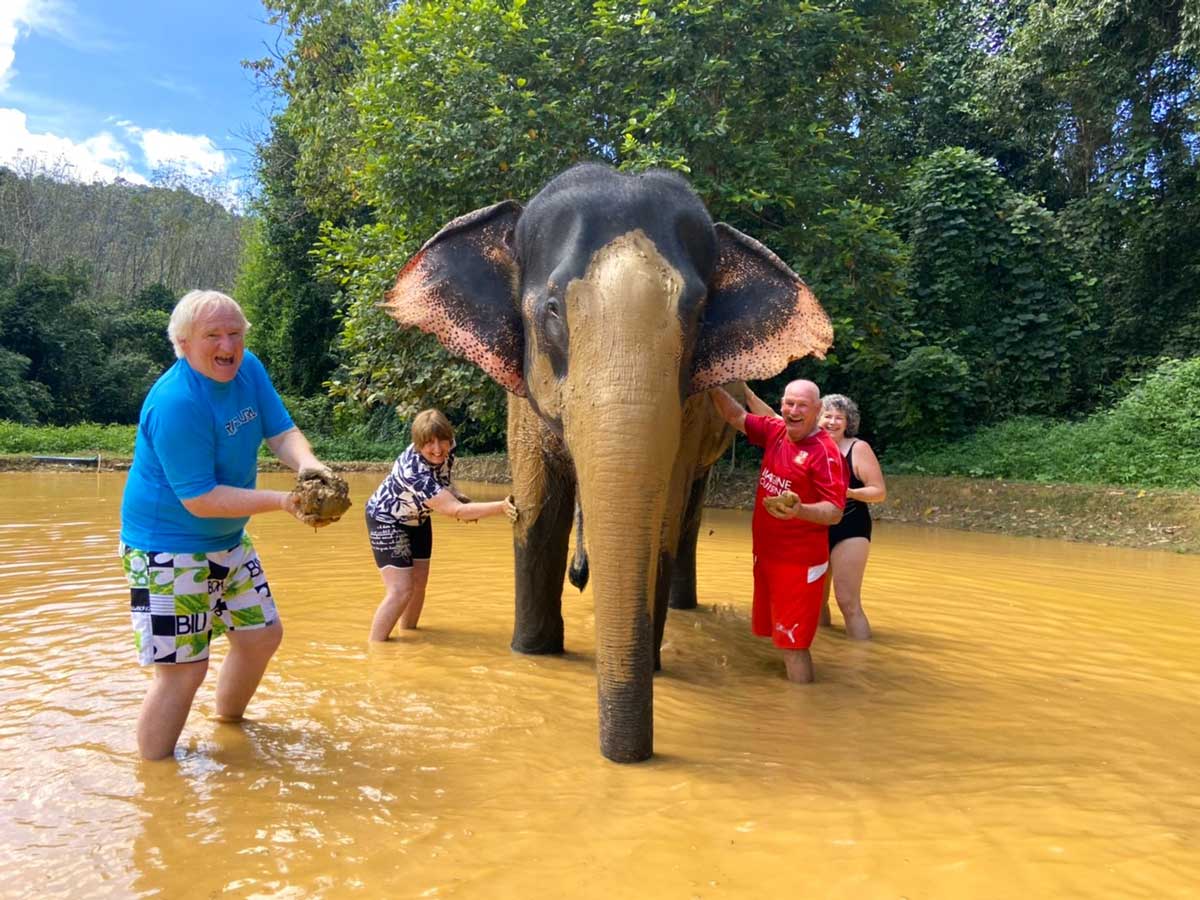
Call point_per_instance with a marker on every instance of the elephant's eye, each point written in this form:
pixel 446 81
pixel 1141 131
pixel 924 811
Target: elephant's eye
pixel 554 329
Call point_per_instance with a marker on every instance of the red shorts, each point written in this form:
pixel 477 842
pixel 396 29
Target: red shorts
pixel 787 602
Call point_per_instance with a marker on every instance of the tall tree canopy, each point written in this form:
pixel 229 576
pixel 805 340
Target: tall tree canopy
pixel 438 108
pixel 996 201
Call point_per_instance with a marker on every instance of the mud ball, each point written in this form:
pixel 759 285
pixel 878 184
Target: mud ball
pixel 781 503
pixel 322 496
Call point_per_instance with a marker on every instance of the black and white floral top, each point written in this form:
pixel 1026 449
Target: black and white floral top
pixel 402 496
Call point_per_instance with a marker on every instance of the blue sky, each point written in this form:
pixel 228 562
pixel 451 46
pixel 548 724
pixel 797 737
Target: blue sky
pixel 134 88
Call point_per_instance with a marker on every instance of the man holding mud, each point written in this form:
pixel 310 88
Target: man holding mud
pixel 801 492
pixel 191 568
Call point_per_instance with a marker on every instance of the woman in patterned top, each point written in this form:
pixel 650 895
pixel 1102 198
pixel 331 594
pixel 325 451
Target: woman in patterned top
pixel 398 519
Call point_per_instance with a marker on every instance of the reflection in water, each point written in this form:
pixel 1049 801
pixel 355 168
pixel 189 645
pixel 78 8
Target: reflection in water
pixel 1025 722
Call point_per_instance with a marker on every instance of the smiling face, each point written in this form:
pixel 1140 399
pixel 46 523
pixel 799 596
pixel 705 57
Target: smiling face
pixel 834 421
pixel 801 406
pixel 435 451
pixel 216 344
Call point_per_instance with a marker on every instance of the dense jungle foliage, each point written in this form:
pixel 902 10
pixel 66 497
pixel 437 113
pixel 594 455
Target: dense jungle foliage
pixel 997 201
pixel 88 276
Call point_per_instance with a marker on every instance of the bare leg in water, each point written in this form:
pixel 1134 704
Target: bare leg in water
pixel 403 599
pixel 848 563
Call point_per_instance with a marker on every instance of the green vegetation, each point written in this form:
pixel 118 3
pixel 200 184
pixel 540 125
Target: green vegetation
pixel 117 440
pixel 998 204
pixel 88 277
pixel 1150 438
pixel 67 356
pixel 61 440
pixel 123 238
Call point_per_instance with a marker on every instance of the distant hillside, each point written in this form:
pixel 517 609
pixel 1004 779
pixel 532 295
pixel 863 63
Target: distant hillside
pixel 130 236
pixel 88 276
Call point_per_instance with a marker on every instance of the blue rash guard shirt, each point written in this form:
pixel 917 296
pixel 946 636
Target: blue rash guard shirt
pixel 193 434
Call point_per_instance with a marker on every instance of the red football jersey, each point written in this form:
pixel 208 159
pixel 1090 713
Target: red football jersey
pixel 814 470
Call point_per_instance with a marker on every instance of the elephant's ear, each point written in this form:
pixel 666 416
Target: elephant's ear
pixel 758 318
pixel 461 286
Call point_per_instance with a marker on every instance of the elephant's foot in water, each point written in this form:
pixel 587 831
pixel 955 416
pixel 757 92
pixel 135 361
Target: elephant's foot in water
pixel 548 644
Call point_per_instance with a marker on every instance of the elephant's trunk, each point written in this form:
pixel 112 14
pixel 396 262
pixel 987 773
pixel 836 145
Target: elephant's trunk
pixel 623 480
pixel 622 418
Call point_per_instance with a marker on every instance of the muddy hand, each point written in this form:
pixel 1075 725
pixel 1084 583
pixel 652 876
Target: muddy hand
pixel 782 506
pixel 294 504
pixel 510 508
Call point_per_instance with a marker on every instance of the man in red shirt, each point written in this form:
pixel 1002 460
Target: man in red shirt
pixel 801 492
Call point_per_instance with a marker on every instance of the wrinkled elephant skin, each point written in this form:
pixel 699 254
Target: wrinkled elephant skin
pixel 606 307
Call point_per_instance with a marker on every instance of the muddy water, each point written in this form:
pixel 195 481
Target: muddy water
pixel 1026 724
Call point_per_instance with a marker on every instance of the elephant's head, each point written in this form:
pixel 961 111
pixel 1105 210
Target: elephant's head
pixel 607 302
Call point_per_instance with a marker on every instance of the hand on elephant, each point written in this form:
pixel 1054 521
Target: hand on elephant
pixel 510 509
pixel 782 506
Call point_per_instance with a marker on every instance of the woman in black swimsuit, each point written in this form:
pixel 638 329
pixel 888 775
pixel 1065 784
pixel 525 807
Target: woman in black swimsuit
pixel 850 539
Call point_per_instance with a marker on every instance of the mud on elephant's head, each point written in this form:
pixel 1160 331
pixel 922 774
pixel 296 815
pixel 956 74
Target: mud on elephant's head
pixel 599 266
pixel 608 303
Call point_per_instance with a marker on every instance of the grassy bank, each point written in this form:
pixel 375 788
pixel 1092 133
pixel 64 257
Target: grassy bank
pixel 117 440
pixel 1121 515
pixel 1150 438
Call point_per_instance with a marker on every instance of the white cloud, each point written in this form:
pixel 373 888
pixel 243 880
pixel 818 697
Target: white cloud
pixel 194 154
pixel 101 157
pixel 10 20
pixel 169 158
pixel 19 16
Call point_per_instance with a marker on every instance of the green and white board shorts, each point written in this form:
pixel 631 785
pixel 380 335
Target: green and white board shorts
pixel 179 601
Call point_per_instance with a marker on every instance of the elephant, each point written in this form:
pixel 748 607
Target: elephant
pixel 606 308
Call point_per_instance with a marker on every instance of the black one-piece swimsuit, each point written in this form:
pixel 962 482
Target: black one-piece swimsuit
pixel 856 518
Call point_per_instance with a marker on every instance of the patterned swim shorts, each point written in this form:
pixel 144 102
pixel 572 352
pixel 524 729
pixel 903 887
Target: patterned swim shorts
pixel 178 601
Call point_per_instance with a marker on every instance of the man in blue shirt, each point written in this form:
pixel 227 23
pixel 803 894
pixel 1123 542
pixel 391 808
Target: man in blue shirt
pixel 191 568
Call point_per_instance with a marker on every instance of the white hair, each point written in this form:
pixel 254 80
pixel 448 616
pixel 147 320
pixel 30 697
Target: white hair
pixel 192 306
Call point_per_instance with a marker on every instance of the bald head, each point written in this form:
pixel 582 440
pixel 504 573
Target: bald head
pixel 803 385
pixel 801 408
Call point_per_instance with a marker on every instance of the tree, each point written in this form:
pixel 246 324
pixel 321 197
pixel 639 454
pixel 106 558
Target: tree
pixel 452 106
pixel 992 287
pixel 21 400
pixel 132 236
pixel 996 201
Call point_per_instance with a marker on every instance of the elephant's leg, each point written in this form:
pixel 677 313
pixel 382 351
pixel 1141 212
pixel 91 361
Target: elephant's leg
pixel 544 488
pixel 683 578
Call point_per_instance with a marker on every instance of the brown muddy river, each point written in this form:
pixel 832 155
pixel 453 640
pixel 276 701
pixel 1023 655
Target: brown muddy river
pixel 1025 724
